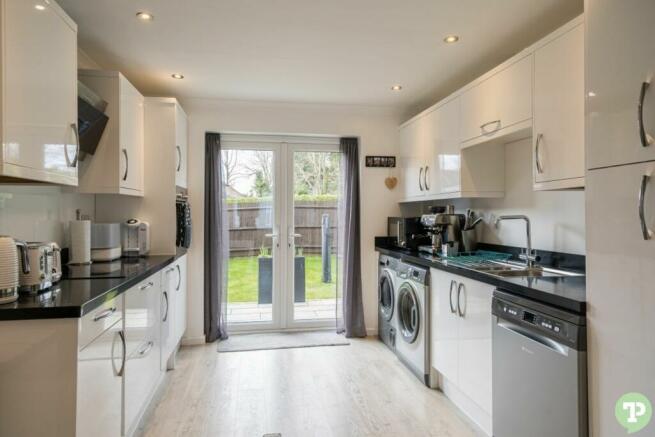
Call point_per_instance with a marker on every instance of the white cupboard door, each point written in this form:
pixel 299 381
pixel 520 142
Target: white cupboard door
pixel 180 293
pixel 40 92
pixel 100 367
pixel 620 58
pixel 474 307
pixel 621 301
pixel 499 102
pixel 430 150
pixel 142 369
pixel 448 155
pixel 444 324
pixel 181 126
pixel 412 158
pixel 131 134
pixel 167 314
pixel 558 133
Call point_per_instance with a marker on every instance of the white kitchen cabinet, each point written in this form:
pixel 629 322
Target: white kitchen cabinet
pixel 100 367
pixel 558 133
pixel 180 298
pixel 499 105
pixel 117 167
pixel 38 114
pixel 412 158
pixel 461 342
pixel 181 146
pixel 620 59
pixel 142 334
pixel 173 321
pixel 620 298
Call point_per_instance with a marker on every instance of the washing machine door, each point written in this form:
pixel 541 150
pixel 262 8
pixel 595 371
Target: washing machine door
pixel 409 312
pixel 386 295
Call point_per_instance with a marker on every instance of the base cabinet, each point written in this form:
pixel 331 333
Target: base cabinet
pixel 173 314
pixel 461 342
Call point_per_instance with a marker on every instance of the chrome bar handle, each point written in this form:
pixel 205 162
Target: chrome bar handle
pixel 117 372
pixel 179 278
pixel 179 158
pixel 537 149
pixel 483 126
pixel 165 294
pixel 647 233
pixel 146 286
pixel 77 147
pixel 127 164
pixel 425 178
pixel 420 176
pixel 104 314
pixel 143 352
pixel 450 297
pixel 460 287
pixel 646 139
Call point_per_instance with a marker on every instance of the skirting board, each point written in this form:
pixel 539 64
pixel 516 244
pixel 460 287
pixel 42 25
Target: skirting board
pixel 192 341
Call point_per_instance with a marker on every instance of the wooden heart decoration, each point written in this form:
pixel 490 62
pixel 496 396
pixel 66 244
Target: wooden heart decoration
pixel 391 182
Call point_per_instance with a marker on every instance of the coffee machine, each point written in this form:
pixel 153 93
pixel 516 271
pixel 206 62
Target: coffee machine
pixel 445 230
pixel 407 232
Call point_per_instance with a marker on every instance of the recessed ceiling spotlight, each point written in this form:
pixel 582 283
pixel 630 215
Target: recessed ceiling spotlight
pixel 39 7
pixel 449 39
pixel 591 94
pixel 145 16
pixel 396 88
pixel 177 76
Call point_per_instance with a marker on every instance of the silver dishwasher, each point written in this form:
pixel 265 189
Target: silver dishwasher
pixel 539 369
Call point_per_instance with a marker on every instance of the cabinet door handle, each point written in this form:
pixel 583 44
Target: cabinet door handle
pixel 73 163
pixel 143 352
pixel 425 178
pixel 489 123
pixel 179 277
pixel 166 313
pixel 179 158
pixel 146 286
pixel 537 154
pixel 119 372
pixel 461 288
pixel 646 139
pixel 420 177
pixel 450 297
pixel 104 314
pixel 647 233
pixel 127 164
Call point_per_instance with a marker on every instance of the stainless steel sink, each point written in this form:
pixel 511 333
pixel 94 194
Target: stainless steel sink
pixel 511 270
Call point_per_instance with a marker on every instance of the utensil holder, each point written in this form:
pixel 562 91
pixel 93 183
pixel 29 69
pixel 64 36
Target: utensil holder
pixel 470 240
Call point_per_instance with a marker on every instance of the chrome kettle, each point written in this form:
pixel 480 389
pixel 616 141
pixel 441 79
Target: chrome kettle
pixel 13 259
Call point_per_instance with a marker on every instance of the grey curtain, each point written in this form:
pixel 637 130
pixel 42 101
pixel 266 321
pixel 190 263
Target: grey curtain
pixel 216 242
pixel 352 318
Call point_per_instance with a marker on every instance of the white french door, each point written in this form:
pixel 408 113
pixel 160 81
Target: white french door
pixel 281 201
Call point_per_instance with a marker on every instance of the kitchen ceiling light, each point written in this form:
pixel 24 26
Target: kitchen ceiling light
pixel 177 76
pixel 39 7
pixel 145 16
pixel 591 94
pixel 449 39
pixel 396 88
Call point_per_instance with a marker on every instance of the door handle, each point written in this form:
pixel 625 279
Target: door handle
pixel 143 352
pixel 537 156
pixel 146 286
pixel 179 158
pixel 104 314
pixel 420 176
pixel 646 139
pixel 425 178
pixel 450 296
pixel 127 164
pixel 73 163
pixel 179 277
pixel 489 123
pixel 645 231
pixel 165 318
pixel 461 288
pixel 275 238
pixel 119 372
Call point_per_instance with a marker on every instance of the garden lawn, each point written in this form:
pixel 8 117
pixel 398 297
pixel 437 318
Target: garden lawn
pixel 243 276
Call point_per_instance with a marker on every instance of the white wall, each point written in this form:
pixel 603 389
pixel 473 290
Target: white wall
pixel 377 129
pixel 557 217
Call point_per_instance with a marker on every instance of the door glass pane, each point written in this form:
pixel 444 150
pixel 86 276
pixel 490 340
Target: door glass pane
pixel 316 229
pixel 249 186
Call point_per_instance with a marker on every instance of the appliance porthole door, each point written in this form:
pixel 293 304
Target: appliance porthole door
pixel 409 312
pixel 386 296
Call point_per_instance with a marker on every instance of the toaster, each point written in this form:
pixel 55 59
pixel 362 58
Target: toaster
pixel 135 238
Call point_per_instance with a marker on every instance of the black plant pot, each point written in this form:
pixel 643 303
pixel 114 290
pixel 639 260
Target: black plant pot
pixel 265 280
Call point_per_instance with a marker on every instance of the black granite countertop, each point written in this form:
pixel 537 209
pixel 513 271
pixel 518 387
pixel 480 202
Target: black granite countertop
pixel 568 293
pixel 76 297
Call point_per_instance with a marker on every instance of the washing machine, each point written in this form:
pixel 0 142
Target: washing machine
pixel 413 320
pixel 387 324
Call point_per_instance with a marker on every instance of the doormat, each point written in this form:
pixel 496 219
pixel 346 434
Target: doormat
pixel 281 340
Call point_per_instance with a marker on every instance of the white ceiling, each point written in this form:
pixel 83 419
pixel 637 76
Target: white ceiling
pixel 332 51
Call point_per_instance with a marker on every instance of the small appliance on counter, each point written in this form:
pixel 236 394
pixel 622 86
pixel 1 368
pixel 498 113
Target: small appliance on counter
pixel 135 238
pixel 445 231
pixel 13 259
pixel 407 232
pixel 105 242
pixel 36 272
pixel 55 262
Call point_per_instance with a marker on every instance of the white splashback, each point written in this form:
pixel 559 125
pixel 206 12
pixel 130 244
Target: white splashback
pixel 557 217
pixel 41 213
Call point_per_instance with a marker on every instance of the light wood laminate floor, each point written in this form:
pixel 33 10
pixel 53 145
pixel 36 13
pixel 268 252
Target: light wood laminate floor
pixel 356 390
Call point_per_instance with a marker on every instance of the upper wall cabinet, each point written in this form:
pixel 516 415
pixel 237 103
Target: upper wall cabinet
pixel 413 159
pixel 117 165
pixel 500 106
pixel 558 132
pixel 181 146
pixel 38 93
pixel 620 109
